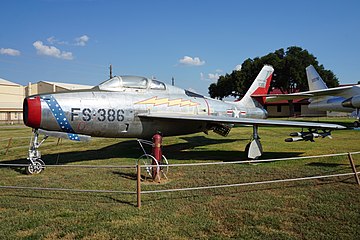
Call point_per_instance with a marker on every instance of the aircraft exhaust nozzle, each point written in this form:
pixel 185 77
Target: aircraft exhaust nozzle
pixel 353 102
pixel 32 112
pixel 347 103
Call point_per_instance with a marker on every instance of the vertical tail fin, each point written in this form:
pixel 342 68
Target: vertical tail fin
pixel 314 80
pixel 259 88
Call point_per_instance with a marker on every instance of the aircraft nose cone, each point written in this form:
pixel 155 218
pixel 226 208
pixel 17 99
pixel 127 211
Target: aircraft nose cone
pixel 32 111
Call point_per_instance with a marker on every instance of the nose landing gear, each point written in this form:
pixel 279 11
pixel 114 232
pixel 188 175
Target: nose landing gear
pixel 36 165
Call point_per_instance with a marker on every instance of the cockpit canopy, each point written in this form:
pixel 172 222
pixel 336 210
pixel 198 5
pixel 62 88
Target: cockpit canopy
pixel 119 83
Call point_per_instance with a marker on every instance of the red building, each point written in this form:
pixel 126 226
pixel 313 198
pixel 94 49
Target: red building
pixel 282 109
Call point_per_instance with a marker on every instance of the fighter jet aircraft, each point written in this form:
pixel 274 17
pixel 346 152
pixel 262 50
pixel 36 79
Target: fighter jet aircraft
pixel 322 98
pixel 138 107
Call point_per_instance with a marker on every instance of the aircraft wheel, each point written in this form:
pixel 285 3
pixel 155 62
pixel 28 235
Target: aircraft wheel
pixel 35 168
pixel 147 160
pixel 356 124
pixel 164 166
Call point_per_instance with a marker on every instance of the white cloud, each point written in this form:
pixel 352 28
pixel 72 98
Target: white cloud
pixel 209 77
pixel 51 51
pixel 189 61
pixel 81 41
pixel 237 67
pixel 53 40
pixel 213 76
pixel 9 51
pixel 219 70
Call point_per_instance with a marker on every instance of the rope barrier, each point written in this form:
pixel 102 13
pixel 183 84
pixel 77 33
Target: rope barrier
pixel 67 190
pixel 139 192
pixel 72 166
pixel 258 161
pixel 177 189
pixel 187 164
pixel 27 147
pixel 7 139
pixel 246 184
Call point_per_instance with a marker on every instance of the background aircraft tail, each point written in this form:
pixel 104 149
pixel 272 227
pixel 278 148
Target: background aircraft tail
pixel 259 88
pixel 314 80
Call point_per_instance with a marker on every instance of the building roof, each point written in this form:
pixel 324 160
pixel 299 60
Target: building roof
pixel 69 86
pixel 304 100
pixel 277 91
pixel 8 83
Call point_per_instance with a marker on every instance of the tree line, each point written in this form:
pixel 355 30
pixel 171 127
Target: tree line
pixel 289 73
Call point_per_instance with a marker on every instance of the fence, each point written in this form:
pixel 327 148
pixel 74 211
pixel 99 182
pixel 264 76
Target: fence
pixel 138 167
pixel 9 141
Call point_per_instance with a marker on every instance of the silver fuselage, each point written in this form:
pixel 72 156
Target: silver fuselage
pixel 336 102
pixel 102 113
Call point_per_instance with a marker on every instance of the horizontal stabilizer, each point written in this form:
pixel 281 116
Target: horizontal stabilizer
pixel 70 136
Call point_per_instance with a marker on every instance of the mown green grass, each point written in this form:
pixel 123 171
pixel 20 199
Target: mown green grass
pixel 313 209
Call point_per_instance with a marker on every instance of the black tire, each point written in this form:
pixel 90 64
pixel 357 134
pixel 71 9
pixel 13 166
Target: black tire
pixel 35 168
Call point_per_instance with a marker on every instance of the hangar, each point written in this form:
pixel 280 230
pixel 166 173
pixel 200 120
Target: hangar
pixel 13 94
pixel 51 87
pixel 11 98
pixel 281 108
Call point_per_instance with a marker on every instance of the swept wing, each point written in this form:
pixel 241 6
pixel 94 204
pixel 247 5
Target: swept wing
pixel 242 121
pixel 308 94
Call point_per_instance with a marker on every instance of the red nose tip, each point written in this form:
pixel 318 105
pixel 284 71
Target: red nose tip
pixel 32 111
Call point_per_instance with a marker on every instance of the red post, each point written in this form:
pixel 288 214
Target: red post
pixel 157 153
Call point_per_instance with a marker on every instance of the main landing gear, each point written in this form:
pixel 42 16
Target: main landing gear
pixel 36 165
pixel 254 148
pixel 357 122
pixel 149 160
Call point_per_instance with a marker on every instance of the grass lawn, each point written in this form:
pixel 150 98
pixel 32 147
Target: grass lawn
pixel 312 209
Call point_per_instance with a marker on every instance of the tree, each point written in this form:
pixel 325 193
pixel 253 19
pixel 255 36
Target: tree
pixel 289 73
pixel 222 88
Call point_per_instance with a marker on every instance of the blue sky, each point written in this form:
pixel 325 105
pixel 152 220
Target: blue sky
pixel 194 41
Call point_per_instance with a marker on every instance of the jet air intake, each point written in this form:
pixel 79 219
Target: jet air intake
pixel 32 112
pixel 353 102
